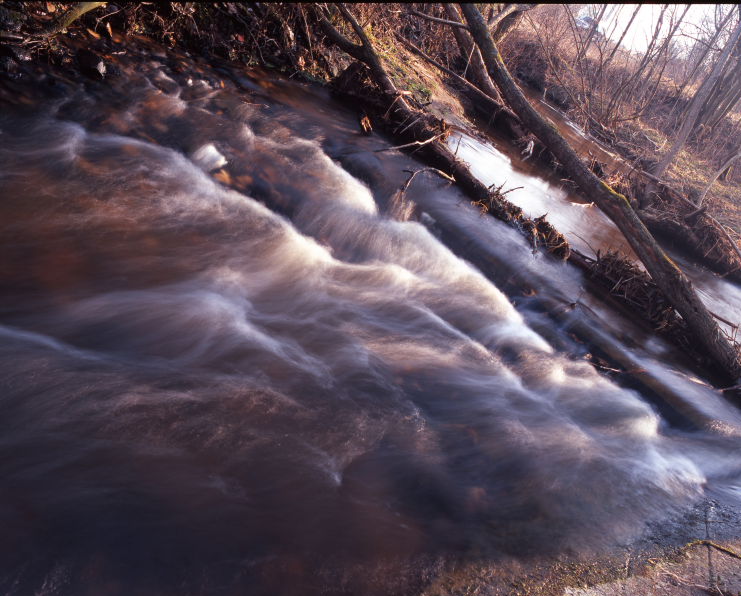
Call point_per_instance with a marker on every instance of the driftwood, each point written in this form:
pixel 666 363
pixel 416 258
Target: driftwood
pixel 670 279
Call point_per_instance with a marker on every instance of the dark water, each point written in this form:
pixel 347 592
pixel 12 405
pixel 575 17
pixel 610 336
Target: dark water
pixel 230 367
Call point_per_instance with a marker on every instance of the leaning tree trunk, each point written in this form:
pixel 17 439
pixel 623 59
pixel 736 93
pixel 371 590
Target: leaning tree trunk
pixel 469 51
pixel 673 283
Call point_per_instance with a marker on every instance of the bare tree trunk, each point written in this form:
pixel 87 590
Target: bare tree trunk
pixel 627 88
pixel 725 95
pixel 468 48
pixel 503 24
pixel 662 50
pixel 696 104
pixel 673 283
pixel 708 46
pixel 622 37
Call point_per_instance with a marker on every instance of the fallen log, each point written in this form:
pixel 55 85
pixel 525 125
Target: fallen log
pixel 673 283
pixel 392 111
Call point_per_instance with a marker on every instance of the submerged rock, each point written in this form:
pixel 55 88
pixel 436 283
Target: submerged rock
pixel 91 64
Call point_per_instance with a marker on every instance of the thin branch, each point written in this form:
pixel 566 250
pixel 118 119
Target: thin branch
pixel 733 326
pixel 350 18
pixel 355 50
pixel 406 185
pixel 11 36
pixel 483 96
pixel 715 177
pixel 727 235
pixel 417 13
pixel 412 144
pixel 715 545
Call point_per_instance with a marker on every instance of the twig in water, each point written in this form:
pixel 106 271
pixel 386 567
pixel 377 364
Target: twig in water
pixel 403 130
pixel 415 172
pixel 510 190
pixel 412 144
pixel 528 151
pixel 393 103
pixel 596 252
pixel 398 199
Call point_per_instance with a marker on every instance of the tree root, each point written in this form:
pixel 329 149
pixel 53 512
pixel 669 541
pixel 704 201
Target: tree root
pixel 724 549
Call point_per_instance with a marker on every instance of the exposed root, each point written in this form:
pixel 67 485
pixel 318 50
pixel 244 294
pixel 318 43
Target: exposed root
pixel 724 549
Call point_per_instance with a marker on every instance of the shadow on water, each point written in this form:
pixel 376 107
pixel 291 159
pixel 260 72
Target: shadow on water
pixel 227 369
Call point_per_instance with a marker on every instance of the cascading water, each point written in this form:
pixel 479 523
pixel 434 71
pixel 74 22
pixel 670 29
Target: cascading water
pixel 205 394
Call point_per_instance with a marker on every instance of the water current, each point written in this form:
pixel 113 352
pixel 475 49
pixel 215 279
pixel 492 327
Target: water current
pixel 233 361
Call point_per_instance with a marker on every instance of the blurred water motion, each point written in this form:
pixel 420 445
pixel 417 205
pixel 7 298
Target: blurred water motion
pixel 227 369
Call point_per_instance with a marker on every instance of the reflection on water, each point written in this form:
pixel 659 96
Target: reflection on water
pixel 585 226
pixel 201 395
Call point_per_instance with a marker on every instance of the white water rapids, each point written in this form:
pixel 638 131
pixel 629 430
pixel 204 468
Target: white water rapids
pixel 205 394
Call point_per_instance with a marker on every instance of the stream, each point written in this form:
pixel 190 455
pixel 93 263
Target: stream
pixel 235 360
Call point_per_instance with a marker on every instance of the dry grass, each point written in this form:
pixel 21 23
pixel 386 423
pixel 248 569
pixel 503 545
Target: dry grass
pixel 643 139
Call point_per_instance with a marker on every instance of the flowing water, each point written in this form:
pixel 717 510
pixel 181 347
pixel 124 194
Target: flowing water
pixel 230 366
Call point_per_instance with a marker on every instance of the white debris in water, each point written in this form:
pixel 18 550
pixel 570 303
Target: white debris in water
pixel 208 158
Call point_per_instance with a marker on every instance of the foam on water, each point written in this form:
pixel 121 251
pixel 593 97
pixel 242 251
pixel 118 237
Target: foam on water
pixel 320 384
